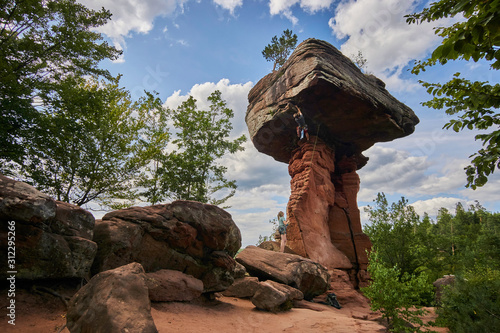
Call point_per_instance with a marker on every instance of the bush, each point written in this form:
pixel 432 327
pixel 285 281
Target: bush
pixel 395 295
pixel 473 303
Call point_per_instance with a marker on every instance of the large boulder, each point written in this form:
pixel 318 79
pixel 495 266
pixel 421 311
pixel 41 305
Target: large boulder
pixel 53 239
pixel 344 107
pixel 243 288
pixel 275 297
pixel 167 285
pixel 309 277
pixel 114 301
pixel 194 238
pixel 440 285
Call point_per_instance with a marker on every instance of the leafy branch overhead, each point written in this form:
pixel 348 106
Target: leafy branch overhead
pixel 280 48
pixel 475 103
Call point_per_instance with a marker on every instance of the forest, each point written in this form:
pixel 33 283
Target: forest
pixel 411 252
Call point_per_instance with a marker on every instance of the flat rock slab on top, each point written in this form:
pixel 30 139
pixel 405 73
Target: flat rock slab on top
pixel 349 110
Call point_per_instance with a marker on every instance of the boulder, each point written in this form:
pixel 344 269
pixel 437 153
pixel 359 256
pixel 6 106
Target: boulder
pixel 275 297
pixel 344 107
pixel 274 246
pixel 243 288
pixel 239 271
pixel 440 284
pixel 309 277
pixel 53 239
pixel 113 301
pixel 172 286
pixel 197 239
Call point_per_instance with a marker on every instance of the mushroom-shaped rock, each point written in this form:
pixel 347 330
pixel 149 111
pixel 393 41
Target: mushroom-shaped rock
pixel 344 107
pixel 346 112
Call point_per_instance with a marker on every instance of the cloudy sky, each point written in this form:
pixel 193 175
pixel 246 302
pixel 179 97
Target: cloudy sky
pixel 192 47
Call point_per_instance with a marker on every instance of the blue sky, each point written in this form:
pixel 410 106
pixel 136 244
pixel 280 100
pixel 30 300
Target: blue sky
pixel 183 47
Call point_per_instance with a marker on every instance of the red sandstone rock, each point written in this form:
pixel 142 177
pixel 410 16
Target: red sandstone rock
pixel 113 301
pixel 346 112
pixel 167 285
pixel 191 237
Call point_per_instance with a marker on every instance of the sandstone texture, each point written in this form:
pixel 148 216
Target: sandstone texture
pixel 113 301
pixel 245 287
pixel 167 285
pixel 346 113
pixel 348 109
pixel 194 238
pixel 53 239
pixel 275 297
pixel 309 277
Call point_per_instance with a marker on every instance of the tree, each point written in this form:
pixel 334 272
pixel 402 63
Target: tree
pixel 191 171
pixel 41 43
pixel 280 48
pixel 151 148
pixel 395 294
pixel 475 103
pixel 397 232
pixel 86 149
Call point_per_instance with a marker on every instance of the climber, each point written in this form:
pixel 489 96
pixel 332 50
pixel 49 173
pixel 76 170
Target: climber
pixel 302 126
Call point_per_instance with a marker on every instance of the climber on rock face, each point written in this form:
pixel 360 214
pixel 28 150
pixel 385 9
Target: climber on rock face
pixel 302 126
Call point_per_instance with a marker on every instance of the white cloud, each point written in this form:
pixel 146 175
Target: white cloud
pixel 379 30
pixel 131 16
pixel 230 5
pixel 284 7
pixel 432 206
pixel 235 96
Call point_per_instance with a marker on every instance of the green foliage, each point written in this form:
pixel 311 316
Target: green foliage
pixel 192 171
pixel 280 48
pixel 84 148
pixel 407 248
pixel 359 60
pixel 395 294
pixel 41 44
pixel 401 238
pixel 473 303
pixel 475 103
pixel 152 144
pixel 467 239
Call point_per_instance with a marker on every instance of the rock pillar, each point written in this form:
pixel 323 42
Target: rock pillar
pixel 311 199
pixel 325 223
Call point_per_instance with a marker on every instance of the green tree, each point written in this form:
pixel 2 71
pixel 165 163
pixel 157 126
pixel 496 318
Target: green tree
pixel 86 149
pixel 395 295
pixel 399 235
pixel 280 48
pixel 475 103
pixel 473 303
pixel 192 170
pixel 41 43
pixel 151 148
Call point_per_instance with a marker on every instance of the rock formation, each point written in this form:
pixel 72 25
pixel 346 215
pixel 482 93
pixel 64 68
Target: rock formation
pixel 53 239
pixel 309 277
pixel 194 238
pixel 167 285
pixel 346 112
pixel 113 301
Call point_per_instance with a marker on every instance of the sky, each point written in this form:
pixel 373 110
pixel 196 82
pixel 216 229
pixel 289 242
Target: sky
pixel 180 48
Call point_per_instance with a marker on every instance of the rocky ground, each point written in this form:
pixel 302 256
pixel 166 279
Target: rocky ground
pixel 38 311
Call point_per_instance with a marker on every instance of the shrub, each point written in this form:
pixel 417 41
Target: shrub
pixel 396 295
pixel 473 303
